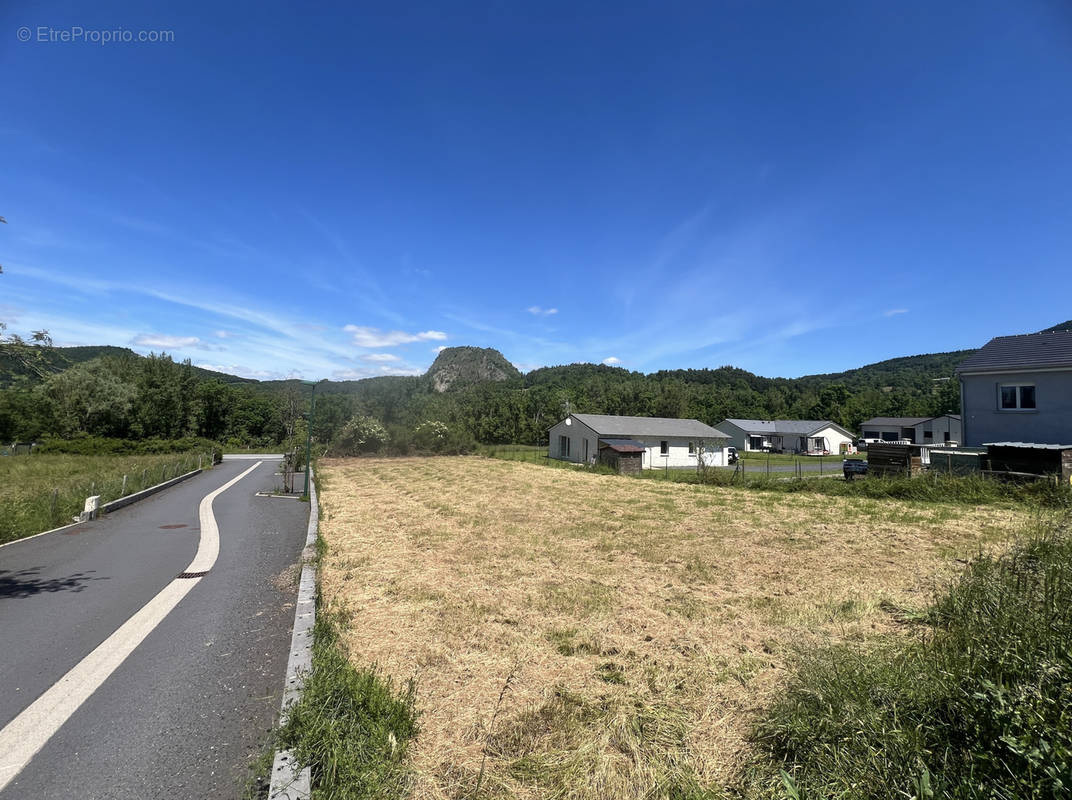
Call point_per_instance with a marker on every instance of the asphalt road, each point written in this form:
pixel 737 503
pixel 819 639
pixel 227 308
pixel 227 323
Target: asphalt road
pixel 191 706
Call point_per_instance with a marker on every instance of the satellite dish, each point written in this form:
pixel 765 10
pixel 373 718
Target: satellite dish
pixel 569 421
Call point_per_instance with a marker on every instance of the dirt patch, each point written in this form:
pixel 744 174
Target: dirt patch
pixel 622 633
pixel 287 581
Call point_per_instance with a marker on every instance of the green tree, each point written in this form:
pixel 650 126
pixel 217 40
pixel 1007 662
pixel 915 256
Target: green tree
pixel 360 435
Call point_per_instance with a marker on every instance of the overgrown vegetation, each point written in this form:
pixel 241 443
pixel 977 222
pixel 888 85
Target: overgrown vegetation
pixel 977 705
pixel 40 492
pixel 351 725
pixel 932 487
pixel 101 446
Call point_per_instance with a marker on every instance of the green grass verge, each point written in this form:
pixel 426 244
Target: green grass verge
pixel 41 492
pixel 351 725
pixel 977 705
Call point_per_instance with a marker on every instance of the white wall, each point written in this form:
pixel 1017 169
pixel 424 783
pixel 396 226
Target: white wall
pixel 938 427
pixel 678 455
pixel 834 438
pixel 578 434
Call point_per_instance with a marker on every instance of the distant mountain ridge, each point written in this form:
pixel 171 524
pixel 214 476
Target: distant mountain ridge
pixel 457 367
pixel 58 359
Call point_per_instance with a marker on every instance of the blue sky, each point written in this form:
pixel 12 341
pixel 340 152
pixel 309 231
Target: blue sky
pixel 790 188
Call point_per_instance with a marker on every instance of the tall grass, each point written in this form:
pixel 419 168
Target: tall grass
pixel 351 726
pixel 977 705
pixel 41 492
pixel 936 487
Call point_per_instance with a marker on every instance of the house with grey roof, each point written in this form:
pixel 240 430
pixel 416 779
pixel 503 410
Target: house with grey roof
pixel 810 436
pixel 660 441
pixel 1018 388
pixel 943 429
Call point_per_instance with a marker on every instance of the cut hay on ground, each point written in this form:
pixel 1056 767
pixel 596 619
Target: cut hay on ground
pixel 632 629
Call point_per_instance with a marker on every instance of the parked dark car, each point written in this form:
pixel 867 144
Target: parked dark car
pixel 852 467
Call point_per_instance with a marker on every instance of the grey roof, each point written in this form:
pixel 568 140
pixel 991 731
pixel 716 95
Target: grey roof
pixel 1028 350
pixel 793 427
pixel 901 422
pixel 623 445
pixel 628 427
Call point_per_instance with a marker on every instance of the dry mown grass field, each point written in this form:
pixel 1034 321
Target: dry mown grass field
pixel 638 627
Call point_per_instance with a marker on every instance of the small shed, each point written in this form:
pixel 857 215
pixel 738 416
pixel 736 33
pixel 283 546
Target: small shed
pixel 1026 459
pixel 887 458
pixel 624 455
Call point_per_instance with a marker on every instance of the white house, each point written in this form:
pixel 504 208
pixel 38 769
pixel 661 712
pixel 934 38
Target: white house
pixel 786 435
pixel 918 430
pixel 665 442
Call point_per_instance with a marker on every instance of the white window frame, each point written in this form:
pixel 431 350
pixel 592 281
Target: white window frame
pixel 664 447
pixel 1019 387
pixel 692 448
pixel 563 446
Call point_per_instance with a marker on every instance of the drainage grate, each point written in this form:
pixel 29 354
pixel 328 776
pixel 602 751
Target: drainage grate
pixel 193 574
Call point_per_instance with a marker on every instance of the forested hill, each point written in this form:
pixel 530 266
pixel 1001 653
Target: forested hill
pixel 520 408
pixel 475 392
pixel 51 360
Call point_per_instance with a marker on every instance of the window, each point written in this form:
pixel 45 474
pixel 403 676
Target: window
pixel 692 448
pixel 946 436
pixel 664 448
pixel 1016 397
pixel 928 436
pixel 563 446
pixel 755 442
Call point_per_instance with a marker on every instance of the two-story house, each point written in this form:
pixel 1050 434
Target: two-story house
pixel 1018 389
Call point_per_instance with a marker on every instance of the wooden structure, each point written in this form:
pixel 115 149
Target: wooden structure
pixel 624 455
pixel 1027 460
pixel 884 458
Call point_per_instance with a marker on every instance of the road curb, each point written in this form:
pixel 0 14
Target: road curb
pixel 114 505
pixel 122 502
pixel 289 782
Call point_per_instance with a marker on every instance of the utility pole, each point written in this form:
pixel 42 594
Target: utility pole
pixel 309 432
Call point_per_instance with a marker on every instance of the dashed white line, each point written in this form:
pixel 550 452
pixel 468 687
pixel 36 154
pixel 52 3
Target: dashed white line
pixel 30 730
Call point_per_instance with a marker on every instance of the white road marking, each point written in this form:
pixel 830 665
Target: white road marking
pixel 30 730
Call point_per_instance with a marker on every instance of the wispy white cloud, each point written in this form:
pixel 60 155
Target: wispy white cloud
pixel 439 349
pixel 364 336
pixel 541 312
pixel 612 361
pixel 380 357
pixel 221 334
pixel 893 312
pixel 244 371
pixel 373 372
pixel 142 225
pixel 164 340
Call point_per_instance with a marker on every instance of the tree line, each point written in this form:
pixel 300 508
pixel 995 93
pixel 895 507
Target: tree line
pixel 131 397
